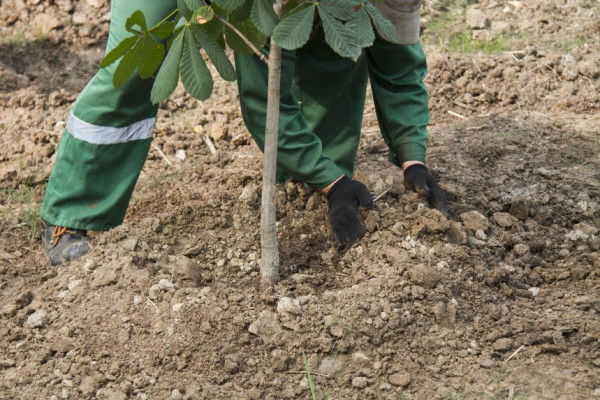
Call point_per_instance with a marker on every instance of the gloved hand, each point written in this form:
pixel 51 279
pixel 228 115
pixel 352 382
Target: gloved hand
pixel 344 198
pixel 418 178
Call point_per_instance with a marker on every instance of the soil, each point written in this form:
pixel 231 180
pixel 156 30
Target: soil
pixel 503 304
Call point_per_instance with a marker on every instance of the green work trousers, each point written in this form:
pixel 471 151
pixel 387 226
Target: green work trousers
pixel 108 132
pixel 322 102
pixel 106 139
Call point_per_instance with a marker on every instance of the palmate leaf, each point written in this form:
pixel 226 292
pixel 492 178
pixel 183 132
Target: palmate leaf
pixel 249 31
pixel 118 51
pixel 264 16
pixel 195 76
pixel 384 27
pixel 193 5
pixel 243 12
pixel 362 28
pixel 339 37
pixel 184 10
pixel 338 9
pixel 163 30
pixel 294 29
pixel 229 5
pixel 137 18
pixel 152 53
pixel 168 74
pixel 215 53
pixel 127 65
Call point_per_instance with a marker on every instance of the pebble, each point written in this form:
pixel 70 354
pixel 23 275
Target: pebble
pixel 534 291
pixel 503 344
pixel 485 362
pixel 359 382
pixel 475 221
pixel 177 307
pixel 37 320
pixel 176 394
pixel 400 379
pixel 503 219
pixel 249 195
pixel 165 285
pixel 287 305
pixel 521 249
pixel 331 366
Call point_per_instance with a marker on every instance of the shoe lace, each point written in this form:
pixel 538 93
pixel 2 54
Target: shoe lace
pixel 58 232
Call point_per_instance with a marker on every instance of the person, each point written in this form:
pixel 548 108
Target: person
pixel 322 103
pixel 108 132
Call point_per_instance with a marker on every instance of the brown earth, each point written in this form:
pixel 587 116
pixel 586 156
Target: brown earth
pixel 504 304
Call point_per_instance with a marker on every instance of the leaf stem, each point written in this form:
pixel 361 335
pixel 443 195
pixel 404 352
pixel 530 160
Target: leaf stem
pixel 175 11
pixel 260 55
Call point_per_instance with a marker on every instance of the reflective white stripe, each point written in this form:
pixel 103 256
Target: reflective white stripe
pixel 108 135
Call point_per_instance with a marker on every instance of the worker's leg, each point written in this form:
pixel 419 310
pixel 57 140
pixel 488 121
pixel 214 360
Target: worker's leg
pixel 397 73
pixel 331 90
pixel 106 140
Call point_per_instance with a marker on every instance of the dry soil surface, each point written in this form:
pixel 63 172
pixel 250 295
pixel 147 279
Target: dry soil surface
pixel 504 304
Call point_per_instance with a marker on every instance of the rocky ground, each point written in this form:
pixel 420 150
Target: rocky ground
pixel 503 304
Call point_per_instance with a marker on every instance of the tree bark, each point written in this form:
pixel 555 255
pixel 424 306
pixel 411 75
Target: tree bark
pixel 270 254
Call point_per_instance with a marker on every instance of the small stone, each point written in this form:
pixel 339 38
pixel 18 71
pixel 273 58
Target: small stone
pixel 331 365
pixel 88 385
pixel 165 285
pixel 287 305
pixel 576 235
pixel 73 284
pixel 114 394
pixel 177 307
pixel 105 275
pixel 360 382
pixel 249 195
pixel 7 363
pixel 503 344
pixel 521 249
pixel 176 394
pixel 400 379
pixel 503 219
pixel 479 234
pixel 534 291
pixel 180 155
pixel 37 320
pixel 266 325
pixel 154 292
pixel 130 244
pixel 475 221
pixel 585 228
pixel 485 362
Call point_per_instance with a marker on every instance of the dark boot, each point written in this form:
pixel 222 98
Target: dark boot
pixel 63 244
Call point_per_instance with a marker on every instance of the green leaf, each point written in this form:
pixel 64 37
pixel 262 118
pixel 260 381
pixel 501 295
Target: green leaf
pixel 338 9
pixel 384 27
pixel 214 28
pixel 168 74
pixel 294 29
pixel 163 30
pixel 126 66
pixel 150 57
pixel 264 16
pixel 229 5
pixel 203 15
pixel 215 53
pixel 184 10
pixel 242 13
pixel 193 5
pixel 339 37
pixel 195 75
pixel 118 51
pixel 249 31
pixel 137 18
pixel 362 28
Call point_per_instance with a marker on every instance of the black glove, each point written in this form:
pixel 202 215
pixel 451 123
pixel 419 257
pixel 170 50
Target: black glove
pixel 344 199
pixel 418 178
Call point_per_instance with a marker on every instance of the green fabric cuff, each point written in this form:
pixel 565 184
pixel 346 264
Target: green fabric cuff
pixel 409 152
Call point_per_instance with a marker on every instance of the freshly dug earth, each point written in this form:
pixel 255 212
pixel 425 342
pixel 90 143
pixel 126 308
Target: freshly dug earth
pixel 503 304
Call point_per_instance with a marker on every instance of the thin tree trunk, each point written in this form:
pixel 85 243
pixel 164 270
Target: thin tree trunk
pixel 270 255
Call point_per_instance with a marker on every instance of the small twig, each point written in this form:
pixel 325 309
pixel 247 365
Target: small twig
pixel 210 144
pixel 476 128
pixel 515 353
pixel 304 372
pixel 155 147
pixel 260 55
pixel 456 114
pixel 151 302
pixel 458 103
pixel 380 195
